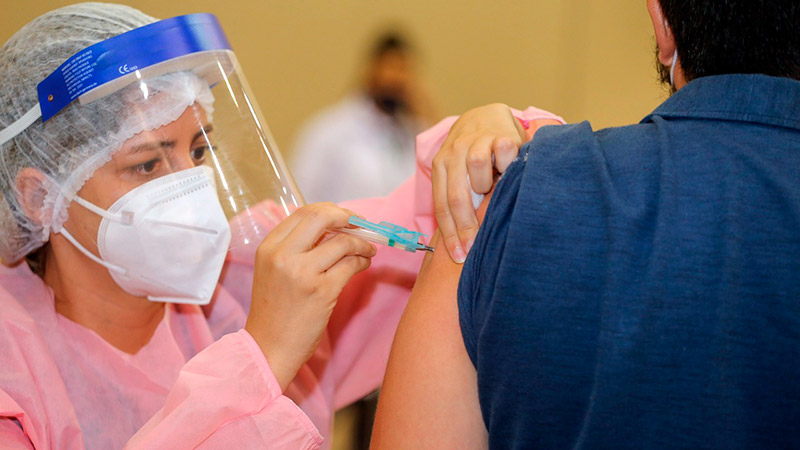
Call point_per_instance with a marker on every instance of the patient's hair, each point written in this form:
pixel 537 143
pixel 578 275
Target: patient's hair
pixel 717 37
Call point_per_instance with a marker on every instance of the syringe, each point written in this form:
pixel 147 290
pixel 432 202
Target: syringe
pixel 386 233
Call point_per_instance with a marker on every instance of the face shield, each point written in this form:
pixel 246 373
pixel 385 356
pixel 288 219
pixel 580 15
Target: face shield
pixel 187 171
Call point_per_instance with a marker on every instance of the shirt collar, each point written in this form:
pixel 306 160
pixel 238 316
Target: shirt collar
pixel 740 97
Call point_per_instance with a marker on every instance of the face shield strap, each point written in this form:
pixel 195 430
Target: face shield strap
pixel 169 45
pixel 21 124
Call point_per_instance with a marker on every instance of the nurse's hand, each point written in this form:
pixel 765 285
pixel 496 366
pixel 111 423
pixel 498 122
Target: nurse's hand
pixel 488 139
pixel 479 147
pixel 298 278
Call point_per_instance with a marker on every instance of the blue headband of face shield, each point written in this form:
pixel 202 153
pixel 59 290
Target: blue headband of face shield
pixel 100 69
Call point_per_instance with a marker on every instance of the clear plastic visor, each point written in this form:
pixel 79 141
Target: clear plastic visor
pixel 205 116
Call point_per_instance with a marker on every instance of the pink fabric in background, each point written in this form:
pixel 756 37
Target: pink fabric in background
pixel 202 381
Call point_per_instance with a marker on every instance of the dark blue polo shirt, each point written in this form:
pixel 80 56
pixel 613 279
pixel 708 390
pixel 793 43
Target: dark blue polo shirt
pixel 639 287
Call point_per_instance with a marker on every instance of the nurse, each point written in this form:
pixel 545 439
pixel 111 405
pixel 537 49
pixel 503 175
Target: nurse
pixel 165 286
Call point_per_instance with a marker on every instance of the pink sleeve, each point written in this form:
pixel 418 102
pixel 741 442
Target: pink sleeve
pixel 12 436
pixel 227 397
pixel 33 397
pixel 365 319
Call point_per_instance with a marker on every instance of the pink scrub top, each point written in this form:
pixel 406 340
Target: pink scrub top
pixel 202 381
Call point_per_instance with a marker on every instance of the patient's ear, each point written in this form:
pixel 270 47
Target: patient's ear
pixel 31 186
pixel 665 40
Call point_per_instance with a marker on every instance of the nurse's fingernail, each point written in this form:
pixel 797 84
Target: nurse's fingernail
pixel 469 244
pixel 458 254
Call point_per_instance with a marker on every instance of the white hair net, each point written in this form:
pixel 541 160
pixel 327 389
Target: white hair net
pixel 71 145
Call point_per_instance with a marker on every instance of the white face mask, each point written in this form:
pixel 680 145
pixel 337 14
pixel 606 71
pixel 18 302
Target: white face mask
pixel 166 239
pixel 672 68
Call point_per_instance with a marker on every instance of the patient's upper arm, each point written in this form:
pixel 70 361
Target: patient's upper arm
pixel 430 394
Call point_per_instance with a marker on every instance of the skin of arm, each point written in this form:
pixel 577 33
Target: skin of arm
pixel 429 398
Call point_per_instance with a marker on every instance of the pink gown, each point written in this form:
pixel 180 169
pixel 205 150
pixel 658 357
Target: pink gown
pixel 202 380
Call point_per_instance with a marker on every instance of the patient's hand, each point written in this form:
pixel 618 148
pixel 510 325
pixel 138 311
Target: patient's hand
pixel 488 139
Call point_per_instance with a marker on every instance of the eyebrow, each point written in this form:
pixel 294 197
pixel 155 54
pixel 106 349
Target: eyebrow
pixel 205 130
pixel 153 145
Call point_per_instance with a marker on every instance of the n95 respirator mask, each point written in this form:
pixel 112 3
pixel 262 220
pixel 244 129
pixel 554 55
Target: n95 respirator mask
pixel 166 239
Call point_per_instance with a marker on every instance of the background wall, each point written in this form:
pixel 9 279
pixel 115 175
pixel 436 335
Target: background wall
pixel 584 59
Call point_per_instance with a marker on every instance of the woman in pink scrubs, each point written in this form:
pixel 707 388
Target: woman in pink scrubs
pixel 296 327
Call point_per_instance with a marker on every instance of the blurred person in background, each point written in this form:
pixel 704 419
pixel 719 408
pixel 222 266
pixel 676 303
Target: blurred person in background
pixel 363 146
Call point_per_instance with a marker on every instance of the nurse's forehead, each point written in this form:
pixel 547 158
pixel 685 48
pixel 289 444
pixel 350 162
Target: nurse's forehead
pixel 160 139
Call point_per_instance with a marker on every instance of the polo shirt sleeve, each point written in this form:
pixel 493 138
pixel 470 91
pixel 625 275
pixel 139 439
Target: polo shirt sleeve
pixel 480 270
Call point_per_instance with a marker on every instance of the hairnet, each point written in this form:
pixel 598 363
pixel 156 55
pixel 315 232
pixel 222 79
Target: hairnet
pixel 71 145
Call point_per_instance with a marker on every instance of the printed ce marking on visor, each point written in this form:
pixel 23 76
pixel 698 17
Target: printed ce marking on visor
pixel 123 69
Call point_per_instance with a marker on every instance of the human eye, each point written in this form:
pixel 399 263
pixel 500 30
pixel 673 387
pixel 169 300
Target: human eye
pixel 146 168
pixel 198 153
pixel 202 144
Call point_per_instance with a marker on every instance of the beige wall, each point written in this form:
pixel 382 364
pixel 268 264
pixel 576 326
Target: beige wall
pixel 584 59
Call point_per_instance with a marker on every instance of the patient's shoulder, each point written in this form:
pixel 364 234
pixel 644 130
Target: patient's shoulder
pixel 581 140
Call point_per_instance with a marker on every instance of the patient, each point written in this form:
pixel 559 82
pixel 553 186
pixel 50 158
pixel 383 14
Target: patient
pixel 633 287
